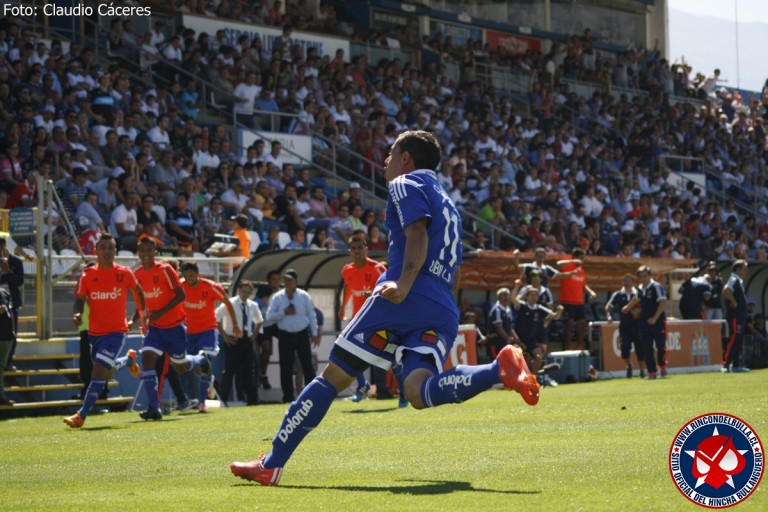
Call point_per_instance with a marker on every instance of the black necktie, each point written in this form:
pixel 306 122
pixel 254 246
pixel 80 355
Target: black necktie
pixel 245 320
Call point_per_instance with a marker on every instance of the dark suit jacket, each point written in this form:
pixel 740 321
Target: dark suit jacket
pixel 6 319
pixel 14 279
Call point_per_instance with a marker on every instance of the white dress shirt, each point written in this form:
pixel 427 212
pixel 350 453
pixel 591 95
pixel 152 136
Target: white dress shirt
pixel 252 310
pixel 304 317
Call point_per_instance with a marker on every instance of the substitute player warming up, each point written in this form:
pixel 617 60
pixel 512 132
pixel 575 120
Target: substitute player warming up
pixel 167 331
pixel 411 318
pixel 201 297
pixel 104 287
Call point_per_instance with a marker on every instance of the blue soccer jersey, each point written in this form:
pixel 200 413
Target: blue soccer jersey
pixel 413 197
pixel 427 320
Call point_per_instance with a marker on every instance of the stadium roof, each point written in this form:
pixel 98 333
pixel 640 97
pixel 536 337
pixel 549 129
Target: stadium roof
pixel 316 269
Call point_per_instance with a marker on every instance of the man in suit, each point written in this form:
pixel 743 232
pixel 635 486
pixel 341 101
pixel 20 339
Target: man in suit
pixel 11 275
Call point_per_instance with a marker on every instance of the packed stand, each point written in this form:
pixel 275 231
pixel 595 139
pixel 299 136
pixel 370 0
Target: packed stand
pixel 574 172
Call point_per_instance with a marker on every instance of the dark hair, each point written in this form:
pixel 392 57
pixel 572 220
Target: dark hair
pixel 148 240
pixel 190 265
pixel 263 291
pixel 356 238
pixel 423 147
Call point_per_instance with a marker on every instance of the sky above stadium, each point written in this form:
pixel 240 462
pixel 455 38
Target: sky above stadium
pixel 725 34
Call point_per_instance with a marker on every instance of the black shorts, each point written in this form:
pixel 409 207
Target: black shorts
pixel 268 336
pixel 494 343
pixel 630 337
pixel 574 311
pixel 654 335
pixel 691 313
pixel 530 344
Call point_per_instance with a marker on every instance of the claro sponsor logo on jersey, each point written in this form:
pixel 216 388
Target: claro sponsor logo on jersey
pixel 195 305
pixel 716 460
pixel 366 291
pixel 114 294
pixel 154 293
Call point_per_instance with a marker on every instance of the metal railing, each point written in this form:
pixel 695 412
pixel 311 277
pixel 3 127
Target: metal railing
pixel 65 268
pixel 587 89
pixel 679 164
pixel 379 192
pixel 374 53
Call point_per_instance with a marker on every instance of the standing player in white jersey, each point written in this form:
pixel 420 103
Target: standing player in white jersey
pixel 411 318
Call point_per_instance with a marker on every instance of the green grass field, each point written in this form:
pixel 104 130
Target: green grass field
pixel 599 447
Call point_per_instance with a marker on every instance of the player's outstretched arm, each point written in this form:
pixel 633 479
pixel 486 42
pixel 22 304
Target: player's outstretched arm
pixel 515 292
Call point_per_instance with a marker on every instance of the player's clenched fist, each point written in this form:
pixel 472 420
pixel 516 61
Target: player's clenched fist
pixel 391 292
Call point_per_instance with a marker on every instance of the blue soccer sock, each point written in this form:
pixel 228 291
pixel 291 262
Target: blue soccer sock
pixel 94 390
pixel 361 380
pixel 121 362
pixel 302 416
pixel 459 384
pixel 149 378
pixel 205 383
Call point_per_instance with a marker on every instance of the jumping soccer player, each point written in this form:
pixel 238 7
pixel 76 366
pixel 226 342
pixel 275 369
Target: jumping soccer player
pixel 104 288
pixel 359 277
pixel 166 332
pixel 200 298
pixel 411 318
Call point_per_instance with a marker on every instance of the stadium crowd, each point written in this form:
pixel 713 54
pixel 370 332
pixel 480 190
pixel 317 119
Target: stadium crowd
pixel 553 170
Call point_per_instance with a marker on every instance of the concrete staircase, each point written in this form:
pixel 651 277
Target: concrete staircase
pixel 47 378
